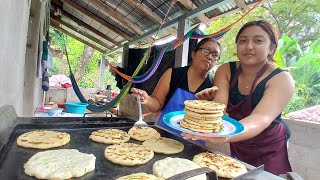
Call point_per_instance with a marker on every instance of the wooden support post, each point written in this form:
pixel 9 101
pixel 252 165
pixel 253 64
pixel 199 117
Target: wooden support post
pixel 102 71
pixel 182 51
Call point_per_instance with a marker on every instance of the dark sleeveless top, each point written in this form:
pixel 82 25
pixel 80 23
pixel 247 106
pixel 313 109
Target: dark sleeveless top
pixel 235 96
pixel 269 146
pixel 179 79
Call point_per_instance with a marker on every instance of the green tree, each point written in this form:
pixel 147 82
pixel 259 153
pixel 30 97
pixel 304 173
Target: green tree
pixel 305 69
pixel 297 19
pixel 84 61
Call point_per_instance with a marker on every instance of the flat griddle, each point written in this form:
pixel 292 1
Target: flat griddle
pixel 84 119
pixel 13 157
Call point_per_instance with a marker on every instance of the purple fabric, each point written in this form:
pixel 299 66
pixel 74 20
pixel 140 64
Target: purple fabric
pixel 153 69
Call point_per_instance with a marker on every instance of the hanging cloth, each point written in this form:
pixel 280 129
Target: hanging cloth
pixel 45 80
pixel 44 59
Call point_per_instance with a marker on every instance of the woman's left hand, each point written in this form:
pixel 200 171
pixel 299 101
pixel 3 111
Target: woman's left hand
pixel 211 140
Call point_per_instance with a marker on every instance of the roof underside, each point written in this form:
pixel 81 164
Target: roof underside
pixel 108 24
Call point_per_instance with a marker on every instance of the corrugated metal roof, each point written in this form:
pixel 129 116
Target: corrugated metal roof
pixel 120 32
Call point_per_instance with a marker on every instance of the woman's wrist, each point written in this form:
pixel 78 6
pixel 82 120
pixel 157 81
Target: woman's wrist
pixel 227 139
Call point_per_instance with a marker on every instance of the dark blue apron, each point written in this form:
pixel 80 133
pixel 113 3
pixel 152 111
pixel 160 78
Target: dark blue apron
pixel 176 103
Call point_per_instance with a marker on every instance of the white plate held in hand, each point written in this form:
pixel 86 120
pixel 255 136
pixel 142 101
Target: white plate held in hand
pixel 231 126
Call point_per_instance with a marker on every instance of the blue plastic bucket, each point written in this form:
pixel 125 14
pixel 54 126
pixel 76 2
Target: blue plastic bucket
pixel 76 107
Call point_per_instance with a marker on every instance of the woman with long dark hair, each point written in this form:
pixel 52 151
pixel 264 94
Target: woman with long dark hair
pixel 256 92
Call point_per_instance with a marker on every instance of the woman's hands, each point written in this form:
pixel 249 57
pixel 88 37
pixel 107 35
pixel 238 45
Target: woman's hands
pixel 207 94
pixel 143 95
pixel 208 140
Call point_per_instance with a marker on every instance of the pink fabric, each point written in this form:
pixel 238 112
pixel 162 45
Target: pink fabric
pixel 308 114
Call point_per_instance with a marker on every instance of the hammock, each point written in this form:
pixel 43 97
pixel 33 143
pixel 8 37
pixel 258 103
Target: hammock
pixel 194 33
pixel 114 102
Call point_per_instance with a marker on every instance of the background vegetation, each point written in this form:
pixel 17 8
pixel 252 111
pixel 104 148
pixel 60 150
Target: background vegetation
pixel 84 61
pixel 298 51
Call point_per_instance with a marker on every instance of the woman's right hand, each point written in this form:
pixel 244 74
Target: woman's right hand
pixel 207 94
pixel 143 95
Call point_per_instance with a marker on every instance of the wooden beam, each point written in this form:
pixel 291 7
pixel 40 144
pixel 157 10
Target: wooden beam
pixel 150 41
pixel 232 12
pixel 145 10
pixel 151 15
pixel 56 25
pixel 190 6
pixel 57 2
pixel 194 13
pixel 111 12
pixel 86 26
pixel 96 40
pixel 96 18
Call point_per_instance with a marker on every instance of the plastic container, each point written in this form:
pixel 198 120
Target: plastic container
pixel 50 110
pixel 76 107
pixel 61 105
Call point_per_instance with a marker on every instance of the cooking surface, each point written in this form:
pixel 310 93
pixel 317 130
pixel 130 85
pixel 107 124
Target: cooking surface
pixel 81 119
pixel 13 157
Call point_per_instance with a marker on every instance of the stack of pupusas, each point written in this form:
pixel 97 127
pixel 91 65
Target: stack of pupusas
pixel 203 116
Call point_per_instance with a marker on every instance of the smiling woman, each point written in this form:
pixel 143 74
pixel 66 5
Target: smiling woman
pixel 193 78
pixel 253 91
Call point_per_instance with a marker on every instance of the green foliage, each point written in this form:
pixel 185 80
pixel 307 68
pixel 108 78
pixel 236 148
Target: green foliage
pixel 75 51
pixel 314 89
pixel 91 77
pixel 56 64
pixel 110 79
pixel 305 69
pixel 56 38
pixel 297 19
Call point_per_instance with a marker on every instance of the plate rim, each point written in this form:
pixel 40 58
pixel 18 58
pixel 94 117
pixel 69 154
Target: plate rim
pixel 239 128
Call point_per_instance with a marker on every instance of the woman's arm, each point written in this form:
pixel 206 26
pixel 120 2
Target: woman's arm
pixel 221 80
pixel 156 101
pixel 277 95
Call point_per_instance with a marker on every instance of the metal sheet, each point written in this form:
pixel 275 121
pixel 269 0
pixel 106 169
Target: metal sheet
pixel 251 174
pixel 13 157
pixel 82 119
